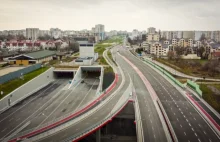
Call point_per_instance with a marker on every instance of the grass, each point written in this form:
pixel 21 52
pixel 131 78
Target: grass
pixel 189 67
pixel 210 97
pixel 110 56
pixel 10 86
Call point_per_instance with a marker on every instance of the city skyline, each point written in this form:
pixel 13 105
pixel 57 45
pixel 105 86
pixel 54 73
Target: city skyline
pixel 115 15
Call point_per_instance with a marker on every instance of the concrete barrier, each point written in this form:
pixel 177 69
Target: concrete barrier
pixel 195 87
pixel 26 90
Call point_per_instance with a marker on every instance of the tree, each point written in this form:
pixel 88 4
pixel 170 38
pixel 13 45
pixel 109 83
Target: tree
pixel 179 52
pixel 200 52
pixel 202 38
pixel 45 37
pixel 21 37
pixel 74 46
pixel 170 55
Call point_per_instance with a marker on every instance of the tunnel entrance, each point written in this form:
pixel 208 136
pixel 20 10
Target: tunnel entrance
pixel 93 72
pixel 64 75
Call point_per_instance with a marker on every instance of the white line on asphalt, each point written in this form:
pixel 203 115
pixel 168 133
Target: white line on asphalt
pixel 24 104
pixel 10 119
pixel 192 129
pixel 199 140
pixel 177 119
pixel 180 125
pixel 194 118
pixel 189 124
pixel 85 96
pixel 210 140
pixel 187 120
pixel 4 130
pixel 195 134
pixel 204 132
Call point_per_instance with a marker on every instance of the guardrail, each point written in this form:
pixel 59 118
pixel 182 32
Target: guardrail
pixel 65 118
pixel 170 128
pixel 98 125
pixel 195 87
pixel 209 119
pixel 80 118
pixel 165 72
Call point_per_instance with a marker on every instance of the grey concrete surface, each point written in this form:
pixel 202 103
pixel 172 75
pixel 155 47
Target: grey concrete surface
pixel 27 89
pixel 91 120
pixel 48 105
pixel 186 121
pixel 152 126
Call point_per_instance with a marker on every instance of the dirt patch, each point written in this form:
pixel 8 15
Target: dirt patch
pixel 214 90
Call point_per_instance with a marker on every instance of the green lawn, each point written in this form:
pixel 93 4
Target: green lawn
pixel 110 56
pixel 210 97
pixel 14 84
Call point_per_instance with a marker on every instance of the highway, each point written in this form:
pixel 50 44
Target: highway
pixel 152 127
pixel 185 120
pixel 48 104
pixel 92 119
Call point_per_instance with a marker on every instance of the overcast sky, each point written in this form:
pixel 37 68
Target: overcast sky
pixel 114 14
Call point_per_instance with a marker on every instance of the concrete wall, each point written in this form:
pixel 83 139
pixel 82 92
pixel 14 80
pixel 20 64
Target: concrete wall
pixel 100 89
pixel 27 89
pixel 77 77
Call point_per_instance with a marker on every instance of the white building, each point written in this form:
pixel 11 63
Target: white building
pixel 56 32
pixel 99 32
pixel 32 33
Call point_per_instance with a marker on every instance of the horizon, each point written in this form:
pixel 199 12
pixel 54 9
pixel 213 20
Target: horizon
pixel 166 15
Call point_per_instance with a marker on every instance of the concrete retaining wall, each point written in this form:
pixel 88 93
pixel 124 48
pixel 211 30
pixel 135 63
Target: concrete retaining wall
pixel 26 90
pixel 77 77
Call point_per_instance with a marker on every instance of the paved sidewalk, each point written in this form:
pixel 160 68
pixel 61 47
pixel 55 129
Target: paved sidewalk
pixel 177 73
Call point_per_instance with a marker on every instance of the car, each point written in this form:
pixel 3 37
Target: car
pixel 82 81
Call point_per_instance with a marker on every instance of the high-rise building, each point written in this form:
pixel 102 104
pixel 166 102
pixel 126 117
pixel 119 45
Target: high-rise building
pixel 32 33
pixel 99 32
pixel 55 32
pixel 151 30
pixel 188 34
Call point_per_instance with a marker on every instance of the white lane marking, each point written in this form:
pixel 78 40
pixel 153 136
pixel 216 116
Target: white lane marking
pixel 199 125
pixel 194 118
pixel 174 113
pixel 195 134
pixel 185 133
pixel 189 124
pixel 154 136
pixel 199 140
pixel 4 130
pixel 210 140
pixel 58 105
pixel 187 120
pixel 11 119
pixel 180 125
pixel 25 104
pixel 204 132
pixel 192 129
pixel 177 119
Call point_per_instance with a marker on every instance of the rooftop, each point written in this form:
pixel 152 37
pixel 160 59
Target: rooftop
pixel 41 54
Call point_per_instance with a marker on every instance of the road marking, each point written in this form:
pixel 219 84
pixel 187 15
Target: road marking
pixel 26 104
pixel 189 124
pixel 180 125
pixel 4 130
pixel 177 119
pixel 184 116
pixel 195 134
pixel 154 136
pixel 192 129
pixel 199 140
pixel 199 125
pixel 185 133
pixel 194 118
pixel 11 119
pixel 187 120
pixel 210 140
pixel 204 132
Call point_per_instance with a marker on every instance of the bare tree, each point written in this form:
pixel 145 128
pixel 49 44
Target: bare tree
pixel 170 55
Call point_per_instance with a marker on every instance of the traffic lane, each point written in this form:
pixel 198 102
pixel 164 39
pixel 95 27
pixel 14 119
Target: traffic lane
pixel 21 116
pixel 91 120
pixel 149 73
pixel 195 122
pixel 73 101
pixel 57 106
pixel 152 126
pixel 87 96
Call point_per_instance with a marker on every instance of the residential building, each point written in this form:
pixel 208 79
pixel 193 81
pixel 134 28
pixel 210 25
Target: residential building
pixel 157 49
pixel 174 42
pixel 198 35
pixel 56 32
pixel 216 36
pixel 99 32
pixel 146 46
pixel 151 30
pixel 152 37
pixel 188 34
pixel 32 33
pixel 44 32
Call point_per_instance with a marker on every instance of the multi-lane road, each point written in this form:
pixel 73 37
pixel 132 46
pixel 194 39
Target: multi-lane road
pixel 48 104
pixel 185 120
pixel 152 127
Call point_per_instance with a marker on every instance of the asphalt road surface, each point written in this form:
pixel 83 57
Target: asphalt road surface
pixel 185 120
pixel 91 120
pixel 48 104
pixel 152 127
